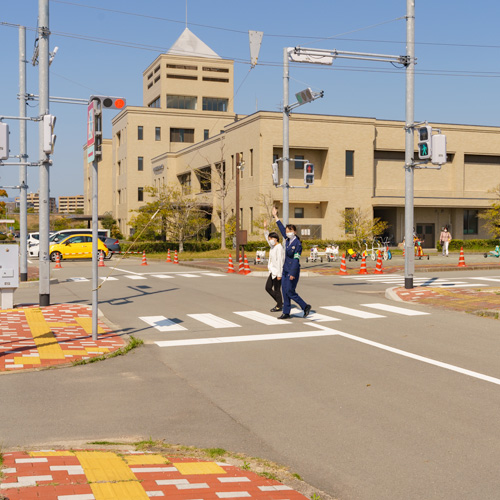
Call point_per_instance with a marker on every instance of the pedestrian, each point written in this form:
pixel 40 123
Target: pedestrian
pixel 275 266
pixel 445 238
pixel 291 268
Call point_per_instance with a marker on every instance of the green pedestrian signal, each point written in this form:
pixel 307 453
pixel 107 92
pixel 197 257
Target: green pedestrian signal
pixel 424 142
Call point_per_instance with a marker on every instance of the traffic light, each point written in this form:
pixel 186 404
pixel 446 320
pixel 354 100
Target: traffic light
pixel 308 174
pixel 304 96
pixel 49 139
pixel 4 141
pixel 425 142
pixel 438 149
pixel 108 102
pixel 276 176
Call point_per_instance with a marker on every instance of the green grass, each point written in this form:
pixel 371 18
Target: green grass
pixel 214 452
pixel 132 344
pixel 106 443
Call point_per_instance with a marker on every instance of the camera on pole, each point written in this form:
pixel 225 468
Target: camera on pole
pixel 4 141
pixel 49 139
pixel 425 142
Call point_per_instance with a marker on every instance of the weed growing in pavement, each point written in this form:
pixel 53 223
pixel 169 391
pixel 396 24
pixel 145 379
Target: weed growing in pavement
pixel 297 476
pixel 214 452
pixel 245 466
pixel 132 344
pixel 144 445
pixel 268 475
pixel 315 496
pixel 1 465
pixel 106 443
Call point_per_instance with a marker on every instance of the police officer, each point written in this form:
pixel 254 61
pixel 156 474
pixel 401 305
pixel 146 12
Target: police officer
pixel 291 268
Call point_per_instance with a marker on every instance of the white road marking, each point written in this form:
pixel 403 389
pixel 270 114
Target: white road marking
pixel 265 319
pixel 488 279
pixel 135 277
pixel 109 278
pixel 162 276
pixel 296 312
pixel 162 324
pixel 214 274
pixel 213 321
pixel 124 270
pixel 394 309
pixel 78 279
pixel 352 312
pixel 187 275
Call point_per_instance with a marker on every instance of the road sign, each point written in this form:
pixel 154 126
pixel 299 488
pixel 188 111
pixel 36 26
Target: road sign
pixel 91 132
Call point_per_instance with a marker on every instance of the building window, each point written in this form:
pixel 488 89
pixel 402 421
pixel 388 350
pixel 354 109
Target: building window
pixel 119 196
pixel 299 162
pixel 471 225
pixel 140 194
pixel 205 178
pixel 206 133
pixel 118 137
pixel 298 212
pixel 182 77
pixel 214 104
pixel 140 163
pixel 211 79
pixel 182 135
pixel 218 70
pixel 181 66
pixel 251 219
pixel 157 68
pixel 157 133
pixel 181 102
pixel 349 163
pixel 150 75
pixel 349 220
pixel 185 182
pixel 155 103
pixel 140 133
pixel 251 162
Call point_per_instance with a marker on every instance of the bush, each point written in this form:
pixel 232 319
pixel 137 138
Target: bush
pixel 470 244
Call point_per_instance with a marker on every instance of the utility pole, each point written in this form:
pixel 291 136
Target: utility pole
pixel 44 193
pixel 23 169
pixel 286 143
pixel 409 143
pixel 237 158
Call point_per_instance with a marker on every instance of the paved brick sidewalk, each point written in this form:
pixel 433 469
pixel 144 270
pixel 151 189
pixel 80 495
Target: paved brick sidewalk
pixel 125 475
pixel 33 337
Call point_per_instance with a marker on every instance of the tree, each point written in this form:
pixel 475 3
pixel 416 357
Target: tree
pixel 62 223
pixel 3 210
pixel 266 202
pixel 491 216
pixel 109 222
pixel 361 226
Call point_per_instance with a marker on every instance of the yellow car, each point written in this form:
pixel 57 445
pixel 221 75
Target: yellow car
pixel 76 246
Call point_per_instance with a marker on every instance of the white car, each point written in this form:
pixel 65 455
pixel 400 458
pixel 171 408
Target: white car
pixel 34 246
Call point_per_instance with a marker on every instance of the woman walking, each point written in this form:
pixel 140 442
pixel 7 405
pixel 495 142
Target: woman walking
pixel 291 268
pixel 275 266
pixel 445 238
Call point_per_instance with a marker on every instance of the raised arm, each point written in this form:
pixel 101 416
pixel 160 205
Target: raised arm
pixel 280 225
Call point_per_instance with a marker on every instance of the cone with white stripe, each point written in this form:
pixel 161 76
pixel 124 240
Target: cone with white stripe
pixel 176 259
pixel 343 269
pixel 144 261
pixel 461 259
pixel 230 267
pixel 362 269
pixel 378 269
pixel 58 262
pixel 101 260
pixel 246 268
pixel 241 267
pixel 168 256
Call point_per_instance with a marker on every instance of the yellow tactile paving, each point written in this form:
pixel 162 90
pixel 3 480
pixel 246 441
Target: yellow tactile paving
pixel 146 460
pixel 59 325
pixel 187 468
pixel 128 490
pixel 86 324
pixel 75 352
pixel 51 454
pixel 104 466
pixel 44 339
pixel 27 360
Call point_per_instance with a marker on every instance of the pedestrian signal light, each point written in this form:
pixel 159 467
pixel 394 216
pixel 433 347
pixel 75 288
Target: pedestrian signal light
pixel 4 141
pixel 49 139
pixel 308 174
pixel 425 142
pixel 304 96
pixel 276 177
pixel 108 102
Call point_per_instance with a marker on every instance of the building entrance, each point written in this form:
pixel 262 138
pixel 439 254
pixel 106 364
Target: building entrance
pixel 426 234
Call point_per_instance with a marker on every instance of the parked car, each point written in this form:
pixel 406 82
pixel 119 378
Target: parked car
pixel 76 246
pixel 34 246
pixel 112 244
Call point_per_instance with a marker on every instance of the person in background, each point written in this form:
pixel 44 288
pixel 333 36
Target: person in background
pixel 445 238
pixel 275 266
pixel 291 268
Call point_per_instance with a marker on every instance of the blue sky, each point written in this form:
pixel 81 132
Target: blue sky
pixel 458 70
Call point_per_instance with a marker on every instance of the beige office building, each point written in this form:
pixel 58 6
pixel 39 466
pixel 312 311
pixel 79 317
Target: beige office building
pixel 187 129
pixel 33 201
pixel 71 204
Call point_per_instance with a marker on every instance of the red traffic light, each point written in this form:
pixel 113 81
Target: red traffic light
pixel 309 168
pixel 108 102
pixel 119 103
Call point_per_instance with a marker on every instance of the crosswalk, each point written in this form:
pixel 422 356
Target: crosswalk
pixel 146 276
pixel 426 281
pixel 164 324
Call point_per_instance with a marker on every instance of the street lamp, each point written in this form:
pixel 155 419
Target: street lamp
pixel 240 166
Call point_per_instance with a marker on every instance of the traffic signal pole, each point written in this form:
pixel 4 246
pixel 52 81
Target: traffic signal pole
pixel 409 143
pixel 286 143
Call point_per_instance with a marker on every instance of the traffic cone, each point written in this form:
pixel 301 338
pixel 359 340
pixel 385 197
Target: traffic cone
pixel 58 262
pixel 343 269
pixel 241 268
pixel 230 268
pixel 362 269
pixel 168 256
pixel 144 261
pixel 101 260
pixel 176 260
pixel 378 268
pixel 461 259
pixel 246 268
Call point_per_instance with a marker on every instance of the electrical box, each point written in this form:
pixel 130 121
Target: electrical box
pixel 9 274
pixel 438 154
pixel 4 141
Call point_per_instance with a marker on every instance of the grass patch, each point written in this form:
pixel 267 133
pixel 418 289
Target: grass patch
pixel 106 443
pixel 268 475
pixel 147 444
pixel 215 452
pixel 132 344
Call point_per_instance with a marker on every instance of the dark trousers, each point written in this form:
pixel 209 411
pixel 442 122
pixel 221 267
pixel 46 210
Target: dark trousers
pixel 290 294
pixel 273 288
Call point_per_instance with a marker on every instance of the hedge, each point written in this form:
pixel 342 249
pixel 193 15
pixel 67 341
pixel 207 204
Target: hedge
pixel 470 244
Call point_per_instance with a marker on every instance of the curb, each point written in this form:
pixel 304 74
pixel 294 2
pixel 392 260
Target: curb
pixel 392 295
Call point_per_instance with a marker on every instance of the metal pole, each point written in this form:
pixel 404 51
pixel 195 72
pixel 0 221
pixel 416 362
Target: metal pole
pixel 286 146
pixel 95 255
pixel 409 143
pixel 237 209
pixel 44 189
pixel 23 169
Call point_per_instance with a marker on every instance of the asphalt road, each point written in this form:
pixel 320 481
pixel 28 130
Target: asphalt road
pixel 363 407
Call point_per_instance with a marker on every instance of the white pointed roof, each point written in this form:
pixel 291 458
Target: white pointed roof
pixel 188 44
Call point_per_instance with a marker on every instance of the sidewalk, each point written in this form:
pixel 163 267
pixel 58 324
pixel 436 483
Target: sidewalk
pixel 32 337
pixel 129 475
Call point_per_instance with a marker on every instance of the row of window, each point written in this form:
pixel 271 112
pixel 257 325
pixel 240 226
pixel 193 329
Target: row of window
pixel 191 102
pixel 192 77
pixel 176 134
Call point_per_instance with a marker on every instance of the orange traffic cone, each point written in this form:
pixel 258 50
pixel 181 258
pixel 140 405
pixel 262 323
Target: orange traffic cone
pixel 176 260
pixel 343 269
pixel 362 269
pixel 101 260
pixel 461 259
pixel 246 268
pixel 144 261
pixel 378 269
pixel 230 268
pixel 58 262
pixel 168 256
pixel 241 268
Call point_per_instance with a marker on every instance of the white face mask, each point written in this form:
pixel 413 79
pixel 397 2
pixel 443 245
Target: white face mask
pixel 272 242
pixel 290 235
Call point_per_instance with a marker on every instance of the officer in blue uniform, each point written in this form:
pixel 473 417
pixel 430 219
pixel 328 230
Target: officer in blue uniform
pixel 291 268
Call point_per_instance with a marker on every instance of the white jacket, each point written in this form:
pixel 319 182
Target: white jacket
pixel 276 258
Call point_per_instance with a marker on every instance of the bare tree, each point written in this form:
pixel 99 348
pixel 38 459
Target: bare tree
pixel 360 225
pixel 491 216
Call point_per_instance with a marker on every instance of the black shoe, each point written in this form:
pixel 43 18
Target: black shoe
pixel 284 316
pixel 276 309
pixel 307 310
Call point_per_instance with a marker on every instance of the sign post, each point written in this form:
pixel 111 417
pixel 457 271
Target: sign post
pixel 91 132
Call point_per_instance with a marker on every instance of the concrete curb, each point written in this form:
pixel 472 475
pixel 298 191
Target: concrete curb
pixel 392 295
